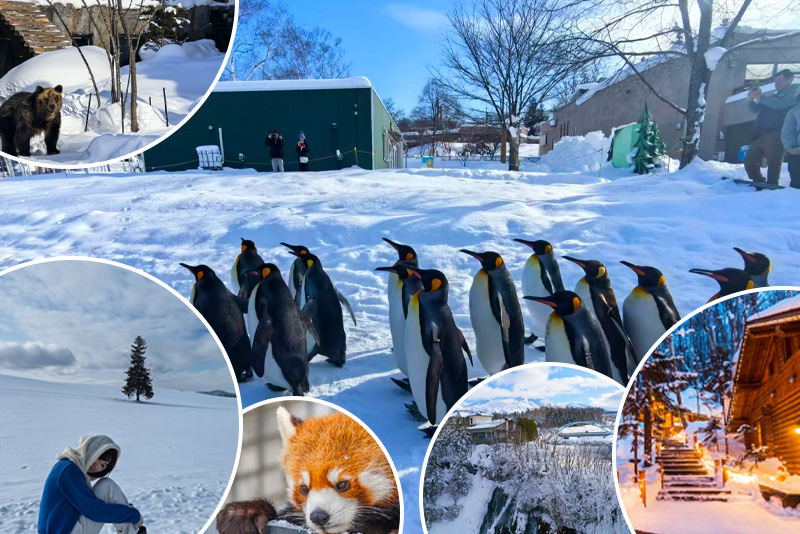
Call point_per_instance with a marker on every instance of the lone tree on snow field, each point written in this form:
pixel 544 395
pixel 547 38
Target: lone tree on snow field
pixel 138 381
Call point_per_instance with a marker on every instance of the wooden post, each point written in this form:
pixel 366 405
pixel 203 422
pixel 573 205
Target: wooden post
pixel 717 474
pixel 724 475
pixel 643 487
pixel 503 140
pixel 166 113
pixel 88 109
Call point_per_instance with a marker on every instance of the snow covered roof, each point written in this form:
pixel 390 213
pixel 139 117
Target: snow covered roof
pixel 488 424
pixel 359 82
pixel 792 303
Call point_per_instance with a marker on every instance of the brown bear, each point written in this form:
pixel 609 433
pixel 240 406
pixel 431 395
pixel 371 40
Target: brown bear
pixel 25 114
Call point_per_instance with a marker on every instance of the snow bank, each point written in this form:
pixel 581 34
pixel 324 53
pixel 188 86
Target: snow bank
pixel 792 303
pixel 60 67
pixel 358 82
pixel 580 153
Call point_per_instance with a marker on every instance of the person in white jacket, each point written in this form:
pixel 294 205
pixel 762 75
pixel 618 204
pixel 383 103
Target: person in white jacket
pixel 790 136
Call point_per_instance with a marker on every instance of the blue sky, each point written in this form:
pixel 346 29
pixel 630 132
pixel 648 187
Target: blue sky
pixel 391 43
pixel 74 321
pixel 551 383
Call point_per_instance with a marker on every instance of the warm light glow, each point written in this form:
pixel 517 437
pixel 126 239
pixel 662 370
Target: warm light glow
pixel 741 477
pixel 797 430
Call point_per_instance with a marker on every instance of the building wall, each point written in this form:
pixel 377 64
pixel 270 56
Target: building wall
pixel 387 152
pixel 246 118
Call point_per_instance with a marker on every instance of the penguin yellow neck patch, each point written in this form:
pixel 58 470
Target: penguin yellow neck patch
pixel 303 252
pixel 548 249
pixel 200 275
pixel 409 256
pixel 265 272
pixel 244 248
pixel 498 262
pixel 436 284
pixel 750 284
pixel 310 263
pixel 600 272
pixel 662 280
pixel 576 303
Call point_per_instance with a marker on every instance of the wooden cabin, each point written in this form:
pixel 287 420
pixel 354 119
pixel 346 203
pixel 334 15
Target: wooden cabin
pixel 766 388
pixel 492 431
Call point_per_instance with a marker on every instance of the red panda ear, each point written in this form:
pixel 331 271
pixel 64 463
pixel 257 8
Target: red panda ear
pixel 287 424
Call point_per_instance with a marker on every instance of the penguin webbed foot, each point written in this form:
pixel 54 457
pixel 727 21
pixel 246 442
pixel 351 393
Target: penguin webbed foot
pixel 403 384
pixel 414 411
pixel 530 339
pixel 539 348
pixel 429 431
pixel 273 387
pixel 472 382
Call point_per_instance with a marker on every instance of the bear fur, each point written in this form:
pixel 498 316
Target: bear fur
pixel 25 114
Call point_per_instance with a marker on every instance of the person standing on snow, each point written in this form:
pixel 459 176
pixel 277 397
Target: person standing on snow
pixel 275 143
pixel 302 151
pixel 72 505
pixel 771 110
pixel 790 136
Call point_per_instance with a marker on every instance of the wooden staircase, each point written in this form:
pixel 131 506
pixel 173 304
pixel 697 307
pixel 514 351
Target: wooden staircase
pixel 32 27
pixel 686 477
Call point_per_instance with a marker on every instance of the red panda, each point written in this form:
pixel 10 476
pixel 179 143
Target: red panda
pixel 338 480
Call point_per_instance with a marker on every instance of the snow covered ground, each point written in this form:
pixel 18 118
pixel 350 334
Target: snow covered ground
pixel 674 221
pixel 178 449
pixel 185 72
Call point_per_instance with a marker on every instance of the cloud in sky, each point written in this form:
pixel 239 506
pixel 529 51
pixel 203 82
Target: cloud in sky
pixel 417 18
pixel 76 320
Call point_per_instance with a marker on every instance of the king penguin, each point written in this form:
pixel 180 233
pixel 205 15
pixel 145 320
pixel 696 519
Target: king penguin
pixel 243 273
pixel 219 307
pixel 323 305
pixel 296 271
pixel 596 292
pixel 649 310
pixel 434 348
pixel 730 281
pixel 495 314
pixel 573 334
pixel 399 295
pixel 540 276
pixel 278 333
pixel 757 266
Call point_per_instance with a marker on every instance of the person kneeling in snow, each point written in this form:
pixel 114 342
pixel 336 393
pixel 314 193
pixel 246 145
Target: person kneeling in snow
pixel 71 505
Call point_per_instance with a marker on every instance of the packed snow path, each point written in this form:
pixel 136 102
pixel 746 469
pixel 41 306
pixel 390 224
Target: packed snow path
pixel 675 222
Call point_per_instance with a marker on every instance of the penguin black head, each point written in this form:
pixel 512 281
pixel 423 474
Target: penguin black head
pixel 755 263
pixel 266 270
pixel 563 303
pixel 247 244
pixel 648 276
pixel 298 250
pixel 402 269
pixel 730 280
pixel 404 252
pixel 308 258
pixel 200 272
pixel 540 246
pixel 594 270
pixel 489 260
pixel 432 280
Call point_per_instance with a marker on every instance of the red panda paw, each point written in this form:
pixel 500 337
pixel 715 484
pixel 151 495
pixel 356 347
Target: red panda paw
pixel 245 517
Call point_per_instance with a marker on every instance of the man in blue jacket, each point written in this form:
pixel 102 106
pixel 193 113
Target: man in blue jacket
pixel 790 136
pixel 71 505
pixel 770 109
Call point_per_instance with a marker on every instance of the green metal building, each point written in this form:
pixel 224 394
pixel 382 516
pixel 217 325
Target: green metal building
pixel 344 122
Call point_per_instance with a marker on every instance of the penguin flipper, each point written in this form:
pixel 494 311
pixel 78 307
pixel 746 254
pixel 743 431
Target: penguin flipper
pixel 435 365
pixel 505 325
pixel 346 304
pixel 235 274
pixel 310 309
pixel 260 345
pixel 242 303
pixel 309 326
pixel 465 346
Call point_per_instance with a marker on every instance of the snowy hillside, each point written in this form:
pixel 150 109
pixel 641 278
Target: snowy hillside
pixel 178 449
pixel 675 222
pixel 508 405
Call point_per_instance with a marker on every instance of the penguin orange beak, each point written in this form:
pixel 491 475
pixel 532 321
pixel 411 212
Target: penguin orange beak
pixel 543 300
pixel 711 274
pixel 635 268
pixel 473 254
pixel 746 256
pixel 391 269
pixel 524 242
pixel 579 263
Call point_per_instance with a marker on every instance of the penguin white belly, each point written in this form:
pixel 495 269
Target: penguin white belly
pixel 235 276
pixel 532 286
pixel 585 293
pixel 416 357
pixel 272 373
pixel 290 281
pixel 556 343
pixel 488 338
pixel 397 321
pixel 191 297
pixel 641 321
pixel 252 316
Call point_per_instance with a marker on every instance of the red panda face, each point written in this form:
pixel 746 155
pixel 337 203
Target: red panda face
pixel 334 470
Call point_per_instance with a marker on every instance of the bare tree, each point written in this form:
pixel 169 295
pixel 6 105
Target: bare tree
pixel 507 54
pixel 133 36
pixel 312 53
pixel 257 47
pixel 437 111
pixel 395 112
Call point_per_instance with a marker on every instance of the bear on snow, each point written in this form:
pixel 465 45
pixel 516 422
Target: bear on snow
pixel 25 114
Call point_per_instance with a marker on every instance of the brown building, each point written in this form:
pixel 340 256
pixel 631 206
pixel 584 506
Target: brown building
pixel 728 124
pixel 493 431
pixel 766 388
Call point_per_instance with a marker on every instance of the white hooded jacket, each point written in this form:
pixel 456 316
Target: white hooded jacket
pixel 88 451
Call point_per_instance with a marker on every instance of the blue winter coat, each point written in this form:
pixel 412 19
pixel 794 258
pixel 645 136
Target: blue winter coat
pixel 67 496
pixel 790 134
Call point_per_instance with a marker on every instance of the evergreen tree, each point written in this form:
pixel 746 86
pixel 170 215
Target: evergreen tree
pixel 649 147
pixel 166 25
pixel 138 381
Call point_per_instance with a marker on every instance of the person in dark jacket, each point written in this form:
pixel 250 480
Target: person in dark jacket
pixel 790 136
pixel 72 505
pixel 302 151
pixel 771 109
pixel 275 143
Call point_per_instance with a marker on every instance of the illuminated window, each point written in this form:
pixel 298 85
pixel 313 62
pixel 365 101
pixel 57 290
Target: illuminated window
pixel 758 71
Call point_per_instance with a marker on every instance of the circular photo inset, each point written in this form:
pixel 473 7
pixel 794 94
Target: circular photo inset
pixel 708 438
pixel 308 466
pixel 526 451
pixel 119 407
pixel 75 94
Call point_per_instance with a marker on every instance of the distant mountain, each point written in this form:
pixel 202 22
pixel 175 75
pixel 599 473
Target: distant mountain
pixel 503 405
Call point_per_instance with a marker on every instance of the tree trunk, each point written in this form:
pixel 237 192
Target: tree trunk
pixel 513 153
pixel 698 84
pixel 503 149
pixel 648 435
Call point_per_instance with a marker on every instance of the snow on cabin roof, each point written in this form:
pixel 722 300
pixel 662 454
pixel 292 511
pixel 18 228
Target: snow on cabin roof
pixel 792 303
pixel 359 82
pixel 488 424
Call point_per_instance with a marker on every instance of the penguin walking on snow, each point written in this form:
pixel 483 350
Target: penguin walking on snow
pixel 297 271
pixel 730 281
pixel 649 310
pixel 495 314
pixel 220 308
pixel 278 333
pixel 243 275
pixel 434 348
pixel 323 305
pixel 540 276
pixel 596 292
pixel 573 334
pixel 757 266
